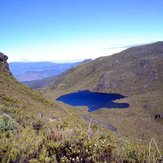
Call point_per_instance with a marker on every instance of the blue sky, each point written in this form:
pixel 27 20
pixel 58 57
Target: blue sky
pixel 57 30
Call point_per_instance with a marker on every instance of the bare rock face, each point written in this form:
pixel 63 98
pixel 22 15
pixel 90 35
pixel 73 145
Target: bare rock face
pixel 3 63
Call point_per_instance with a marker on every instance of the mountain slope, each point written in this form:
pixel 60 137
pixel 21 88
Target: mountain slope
pixel 17 95
pixel 134 70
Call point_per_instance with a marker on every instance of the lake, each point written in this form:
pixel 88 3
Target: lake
pixel 93 100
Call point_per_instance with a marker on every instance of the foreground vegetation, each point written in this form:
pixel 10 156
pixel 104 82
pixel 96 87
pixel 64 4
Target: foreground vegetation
pixel 32 139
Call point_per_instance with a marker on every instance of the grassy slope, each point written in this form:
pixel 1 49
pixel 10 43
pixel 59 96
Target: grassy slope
pixel 15 95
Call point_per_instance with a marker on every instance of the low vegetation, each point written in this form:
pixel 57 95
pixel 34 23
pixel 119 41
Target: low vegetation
pixel 35 129
pixel 41 141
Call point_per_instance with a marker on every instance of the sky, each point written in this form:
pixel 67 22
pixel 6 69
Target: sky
pixel 70 30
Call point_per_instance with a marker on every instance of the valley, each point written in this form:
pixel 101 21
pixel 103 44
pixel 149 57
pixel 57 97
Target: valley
pixel 137 73
pixel 55 126
pixel 32 71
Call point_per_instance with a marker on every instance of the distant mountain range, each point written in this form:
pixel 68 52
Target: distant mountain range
pixel 29 71
pixel 40 79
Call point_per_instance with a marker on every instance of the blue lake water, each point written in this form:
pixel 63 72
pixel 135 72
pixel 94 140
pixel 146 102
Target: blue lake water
pixel 93 100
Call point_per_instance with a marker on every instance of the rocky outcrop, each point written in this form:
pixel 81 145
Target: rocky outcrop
pixel 3 63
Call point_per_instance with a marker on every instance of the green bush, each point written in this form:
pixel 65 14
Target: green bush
pixel 7 124
pixel 22 147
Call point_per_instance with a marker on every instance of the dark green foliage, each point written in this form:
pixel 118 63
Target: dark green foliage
pixel 84 150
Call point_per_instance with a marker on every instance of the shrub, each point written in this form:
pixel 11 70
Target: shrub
pixel 7 124
pixel 83 150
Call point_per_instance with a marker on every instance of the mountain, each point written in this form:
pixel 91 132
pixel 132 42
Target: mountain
pixel 35 128
pixel 29 71
pixel 135 70
pixel 136 73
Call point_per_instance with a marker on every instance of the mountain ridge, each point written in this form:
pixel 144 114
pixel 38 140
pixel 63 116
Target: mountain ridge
pixel 134 70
